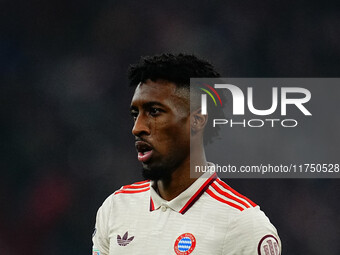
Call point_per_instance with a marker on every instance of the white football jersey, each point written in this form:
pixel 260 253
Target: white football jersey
pixel 209 217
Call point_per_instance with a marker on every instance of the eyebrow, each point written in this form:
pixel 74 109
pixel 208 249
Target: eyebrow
pixel 148 105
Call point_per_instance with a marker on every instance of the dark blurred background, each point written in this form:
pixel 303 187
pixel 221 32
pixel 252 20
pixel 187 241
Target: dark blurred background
pixel 66 140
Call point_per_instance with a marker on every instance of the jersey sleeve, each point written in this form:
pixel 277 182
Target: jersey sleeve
pixel 100 239
pixel 251 232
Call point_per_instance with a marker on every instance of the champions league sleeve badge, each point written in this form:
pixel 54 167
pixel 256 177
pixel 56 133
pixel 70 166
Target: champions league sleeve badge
pixel 268 245
pixel 95 252
pixel 185 244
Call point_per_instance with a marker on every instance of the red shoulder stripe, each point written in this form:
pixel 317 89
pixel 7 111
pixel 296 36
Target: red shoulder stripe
pixel 228 195
pixel 224 201
pixel 235 192
pixel 133 186
pixel 131 191
pixel 141 182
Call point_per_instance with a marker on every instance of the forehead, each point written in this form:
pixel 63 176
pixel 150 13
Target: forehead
pixel 159 91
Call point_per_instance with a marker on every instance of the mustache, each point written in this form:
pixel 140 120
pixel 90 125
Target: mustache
pixel 139 139
pixel 142 145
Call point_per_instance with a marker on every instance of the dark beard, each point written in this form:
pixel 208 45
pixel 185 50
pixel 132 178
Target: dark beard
pixel 157 173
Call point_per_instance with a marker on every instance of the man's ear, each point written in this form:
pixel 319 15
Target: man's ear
pixel 197 121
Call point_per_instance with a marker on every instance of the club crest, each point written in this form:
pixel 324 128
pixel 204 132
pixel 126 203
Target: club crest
pixel 185 244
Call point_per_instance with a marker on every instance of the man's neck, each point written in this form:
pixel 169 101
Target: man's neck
pixel 180 179
pixel 169 189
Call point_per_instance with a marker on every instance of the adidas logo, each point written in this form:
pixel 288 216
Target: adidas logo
pixel 125 240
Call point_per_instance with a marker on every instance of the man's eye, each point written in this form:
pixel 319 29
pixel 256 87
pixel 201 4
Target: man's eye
pixel 134 114
pixel 155 111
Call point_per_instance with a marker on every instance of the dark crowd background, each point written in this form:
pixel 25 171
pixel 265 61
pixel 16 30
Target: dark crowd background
pixel 66 140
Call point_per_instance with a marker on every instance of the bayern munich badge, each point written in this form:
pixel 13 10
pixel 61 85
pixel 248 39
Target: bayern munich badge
pixel 185 244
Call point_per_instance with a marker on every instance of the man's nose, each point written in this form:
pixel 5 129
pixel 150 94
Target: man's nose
pixel 141 126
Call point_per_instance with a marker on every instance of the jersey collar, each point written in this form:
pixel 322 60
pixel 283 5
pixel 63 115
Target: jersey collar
pixel 186 199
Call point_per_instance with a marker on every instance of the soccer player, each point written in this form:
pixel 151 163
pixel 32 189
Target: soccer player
pixel 171 213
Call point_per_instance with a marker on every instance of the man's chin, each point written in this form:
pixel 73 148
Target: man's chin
pixel 155 173
pixel 150 174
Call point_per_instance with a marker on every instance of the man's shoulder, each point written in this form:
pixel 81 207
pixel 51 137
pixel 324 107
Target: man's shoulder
pixel 134 188
pixel 248 226
pixel 127 195
pixel 228 198
pixel 129 191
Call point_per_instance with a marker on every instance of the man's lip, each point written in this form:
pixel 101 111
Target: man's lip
pixel 144 150
pixel 142 146
pixel 143 157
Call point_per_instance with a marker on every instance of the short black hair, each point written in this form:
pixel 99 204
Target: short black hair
pixel 174 68
pixel 177 68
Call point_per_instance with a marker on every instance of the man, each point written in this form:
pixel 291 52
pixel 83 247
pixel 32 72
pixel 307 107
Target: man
pixel 171 213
